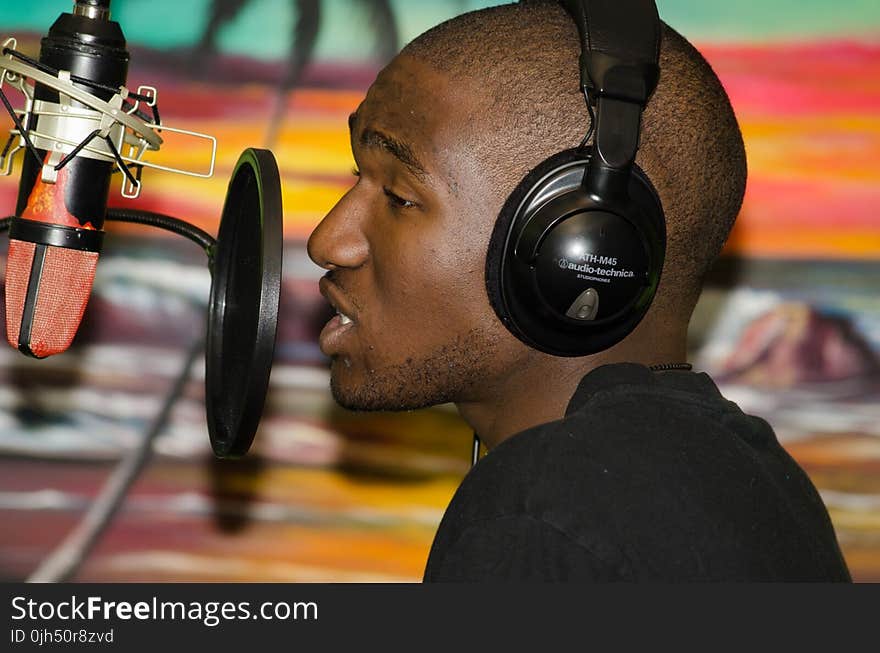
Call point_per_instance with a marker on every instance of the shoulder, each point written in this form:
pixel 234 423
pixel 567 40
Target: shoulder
pixel 531 509
pixel 639 480
pixel 516 547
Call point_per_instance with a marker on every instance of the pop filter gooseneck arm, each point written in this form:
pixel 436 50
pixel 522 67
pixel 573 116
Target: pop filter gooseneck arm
pixel 201 238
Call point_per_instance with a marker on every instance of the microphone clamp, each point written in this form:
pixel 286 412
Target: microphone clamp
pixel 114 130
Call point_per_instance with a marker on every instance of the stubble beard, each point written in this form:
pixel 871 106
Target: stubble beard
pixel 447 375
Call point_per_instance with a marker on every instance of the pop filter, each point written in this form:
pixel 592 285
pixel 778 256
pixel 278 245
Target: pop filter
pixel 243 309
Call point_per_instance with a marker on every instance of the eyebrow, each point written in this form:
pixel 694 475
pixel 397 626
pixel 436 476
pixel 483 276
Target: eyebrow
pixel 372 138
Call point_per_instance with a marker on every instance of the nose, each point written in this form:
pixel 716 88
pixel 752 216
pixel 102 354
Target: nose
pixel 339 241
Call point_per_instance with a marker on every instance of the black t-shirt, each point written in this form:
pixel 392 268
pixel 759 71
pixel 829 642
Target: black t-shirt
pixel 648 477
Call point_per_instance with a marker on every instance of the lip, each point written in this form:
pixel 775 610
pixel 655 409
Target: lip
pixel 333 335
pixel 334 332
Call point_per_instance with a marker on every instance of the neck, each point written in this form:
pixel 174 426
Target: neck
pixel 539 390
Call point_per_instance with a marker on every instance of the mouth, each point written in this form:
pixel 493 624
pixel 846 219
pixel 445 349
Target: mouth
pixel 343 318
pixel 335 332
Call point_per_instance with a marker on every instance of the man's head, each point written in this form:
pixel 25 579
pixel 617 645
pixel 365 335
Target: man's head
pixel 444 135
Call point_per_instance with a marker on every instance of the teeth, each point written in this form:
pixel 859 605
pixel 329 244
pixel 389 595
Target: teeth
pixel 343 318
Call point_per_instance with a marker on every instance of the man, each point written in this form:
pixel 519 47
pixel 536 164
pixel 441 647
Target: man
pixel 599 467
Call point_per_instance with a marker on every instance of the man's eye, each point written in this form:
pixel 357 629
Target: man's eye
pixel 396 201
pixel 356 172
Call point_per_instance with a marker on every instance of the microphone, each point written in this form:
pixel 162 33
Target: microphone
pixel 79 125
pixel 62 202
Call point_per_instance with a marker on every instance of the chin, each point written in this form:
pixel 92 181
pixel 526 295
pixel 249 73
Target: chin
pixel 371 399
pixel 390 391
pixel 451 370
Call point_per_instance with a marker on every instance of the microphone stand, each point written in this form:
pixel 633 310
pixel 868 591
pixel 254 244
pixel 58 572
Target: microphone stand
pixel 243 266
pixel 65 560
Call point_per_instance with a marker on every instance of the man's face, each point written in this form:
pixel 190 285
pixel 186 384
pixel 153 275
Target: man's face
pixel 405 251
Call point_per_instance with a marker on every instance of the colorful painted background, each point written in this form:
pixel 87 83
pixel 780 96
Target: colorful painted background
pixel 789 324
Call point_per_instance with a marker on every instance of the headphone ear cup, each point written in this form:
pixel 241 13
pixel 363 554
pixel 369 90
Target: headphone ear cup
pixel 504 223
pixel 565 306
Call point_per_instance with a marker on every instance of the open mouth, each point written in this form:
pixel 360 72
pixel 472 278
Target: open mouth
pixel 333 335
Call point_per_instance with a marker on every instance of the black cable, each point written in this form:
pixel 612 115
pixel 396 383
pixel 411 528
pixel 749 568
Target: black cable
pixel 592 128
pixel 202 238
pixel 66 559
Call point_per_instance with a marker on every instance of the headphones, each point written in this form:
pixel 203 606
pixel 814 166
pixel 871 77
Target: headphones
pixel 576 254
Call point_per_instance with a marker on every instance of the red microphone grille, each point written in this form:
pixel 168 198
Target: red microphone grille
pixel 47 289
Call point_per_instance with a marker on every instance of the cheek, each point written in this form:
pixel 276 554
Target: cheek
pixel 430 293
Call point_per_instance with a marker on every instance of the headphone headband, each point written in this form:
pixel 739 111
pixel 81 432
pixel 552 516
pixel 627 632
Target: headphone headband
pixel 620 54
pixel 620 47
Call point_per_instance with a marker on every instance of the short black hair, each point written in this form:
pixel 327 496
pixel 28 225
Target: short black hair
pixel 524 58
